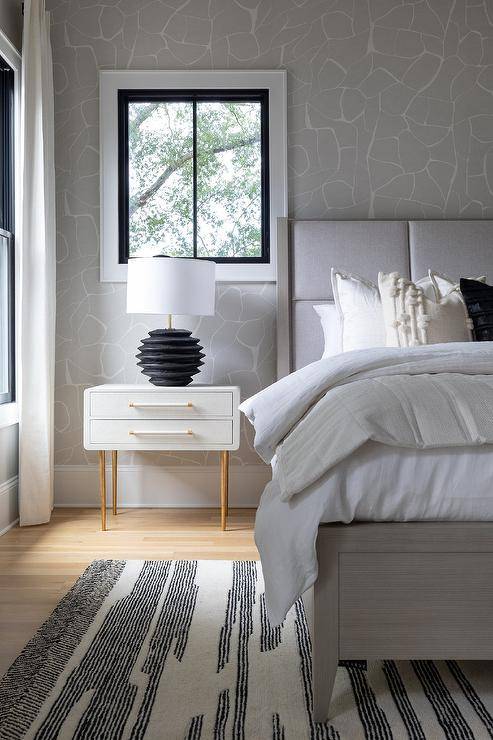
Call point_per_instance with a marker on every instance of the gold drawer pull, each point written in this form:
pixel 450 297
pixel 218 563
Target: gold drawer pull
pixel 161 434
pixel 144 405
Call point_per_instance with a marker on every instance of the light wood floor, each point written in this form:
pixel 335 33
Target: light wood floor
pixel 38 565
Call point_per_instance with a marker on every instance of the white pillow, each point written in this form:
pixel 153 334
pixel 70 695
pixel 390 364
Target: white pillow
pixel 360 310
pixel 411 319
pixel 444 285
pixel 331 326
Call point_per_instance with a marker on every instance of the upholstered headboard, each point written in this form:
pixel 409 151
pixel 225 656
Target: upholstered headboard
pixel 308 249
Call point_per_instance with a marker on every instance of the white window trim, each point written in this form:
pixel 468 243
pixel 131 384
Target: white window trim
pixel 9 412
pixel 113 80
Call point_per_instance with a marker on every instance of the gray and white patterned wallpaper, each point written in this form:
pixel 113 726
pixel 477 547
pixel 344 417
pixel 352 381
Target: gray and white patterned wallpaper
pixel 11 21
pixel 390 115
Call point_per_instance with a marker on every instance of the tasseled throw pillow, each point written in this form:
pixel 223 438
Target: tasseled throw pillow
pixel 411 319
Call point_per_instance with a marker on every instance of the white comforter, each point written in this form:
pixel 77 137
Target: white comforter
pixel 425 397
pixel 316 425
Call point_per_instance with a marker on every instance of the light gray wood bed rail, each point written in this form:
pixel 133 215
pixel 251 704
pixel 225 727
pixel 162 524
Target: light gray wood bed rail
pixel 421 590
pixel 400 591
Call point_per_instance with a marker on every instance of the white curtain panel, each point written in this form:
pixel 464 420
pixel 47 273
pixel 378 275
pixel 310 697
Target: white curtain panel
pixel 37 269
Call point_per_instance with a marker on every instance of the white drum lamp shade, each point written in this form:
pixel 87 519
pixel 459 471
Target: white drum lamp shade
pixel 171 285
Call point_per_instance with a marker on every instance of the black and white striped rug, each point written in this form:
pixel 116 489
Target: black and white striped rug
pixel 183 649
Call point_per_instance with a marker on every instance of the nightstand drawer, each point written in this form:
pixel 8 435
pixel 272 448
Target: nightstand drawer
pixel 180 404
pixel 160 434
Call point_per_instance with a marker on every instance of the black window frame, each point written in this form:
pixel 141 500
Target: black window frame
pixel 9 395
pixel 7 89
pixel 194 96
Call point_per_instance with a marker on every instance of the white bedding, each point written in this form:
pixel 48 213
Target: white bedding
pixel 387 434
pixel 419 397
pixel 375 483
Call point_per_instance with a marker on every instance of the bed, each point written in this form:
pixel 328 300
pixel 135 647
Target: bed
pixel 387 590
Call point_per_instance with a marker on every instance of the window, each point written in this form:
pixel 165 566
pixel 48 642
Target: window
pixel 194 174
pixel 7 272
pixel 190 167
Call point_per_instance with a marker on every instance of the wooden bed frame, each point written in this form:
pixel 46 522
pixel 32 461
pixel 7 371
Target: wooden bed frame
pixel 400 591
pixel 420 590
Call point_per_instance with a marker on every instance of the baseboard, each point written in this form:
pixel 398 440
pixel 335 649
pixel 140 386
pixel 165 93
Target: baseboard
pixel 9 504
pixel 156 486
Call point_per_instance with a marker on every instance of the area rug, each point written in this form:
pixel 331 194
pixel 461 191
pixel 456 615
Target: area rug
pixel 184 649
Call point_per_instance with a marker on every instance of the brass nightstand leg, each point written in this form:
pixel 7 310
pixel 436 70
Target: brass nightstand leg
pixel 114 479
pixel 224 487
pixel 102 487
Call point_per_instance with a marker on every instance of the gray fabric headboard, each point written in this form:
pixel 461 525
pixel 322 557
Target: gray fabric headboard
pixel 308 249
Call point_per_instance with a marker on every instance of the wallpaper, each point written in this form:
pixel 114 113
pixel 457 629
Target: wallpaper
pixel 390 115
pixel 9 447
pixel 11 21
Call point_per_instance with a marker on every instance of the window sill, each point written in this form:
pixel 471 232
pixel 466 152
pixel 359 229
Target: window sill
pixel 261 273
pixel 230 273
pixel 9 415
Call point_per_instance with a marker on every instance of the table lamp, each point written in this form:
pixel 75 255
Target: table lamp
pixel 170 285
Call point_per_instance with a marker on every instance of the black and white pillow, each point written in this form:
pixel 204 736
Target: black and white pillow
pixel 478 298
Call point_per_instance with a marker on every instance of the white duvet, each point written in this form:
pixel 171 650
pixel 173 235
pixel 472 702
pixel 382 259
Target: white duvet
pixel 422 397
pixel 387 434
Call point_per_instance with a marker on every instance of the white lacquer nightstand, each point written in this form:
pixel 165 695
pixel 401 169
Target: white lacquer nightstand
pixel 145 417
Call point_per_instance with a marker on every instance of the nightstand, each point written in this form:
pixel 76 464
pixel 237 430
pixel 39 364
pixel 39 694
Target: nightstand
pixel 144 417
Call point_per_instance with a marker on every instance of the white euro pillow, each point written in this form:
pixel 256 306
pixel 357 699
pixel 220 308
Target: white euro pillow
pixel 359 309
pixel 444 285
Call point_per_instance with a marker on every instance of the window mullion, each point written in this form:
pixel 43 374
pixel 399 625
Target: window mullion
pixel 194 176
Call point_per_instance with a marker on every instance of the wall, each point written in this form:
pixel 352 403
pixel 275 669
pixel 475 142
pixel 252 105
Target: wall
pixel 390 115
pixel 11 21
pixel 11 26
pixel 9 468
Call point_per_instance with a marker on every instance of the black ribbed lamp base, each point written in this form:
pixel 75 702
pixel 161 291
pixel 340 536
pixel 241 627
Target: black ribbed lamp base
pixel 170 357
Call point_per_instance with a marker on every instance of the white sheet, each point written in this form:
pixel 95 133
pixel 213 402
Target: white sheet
pixel 376 483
